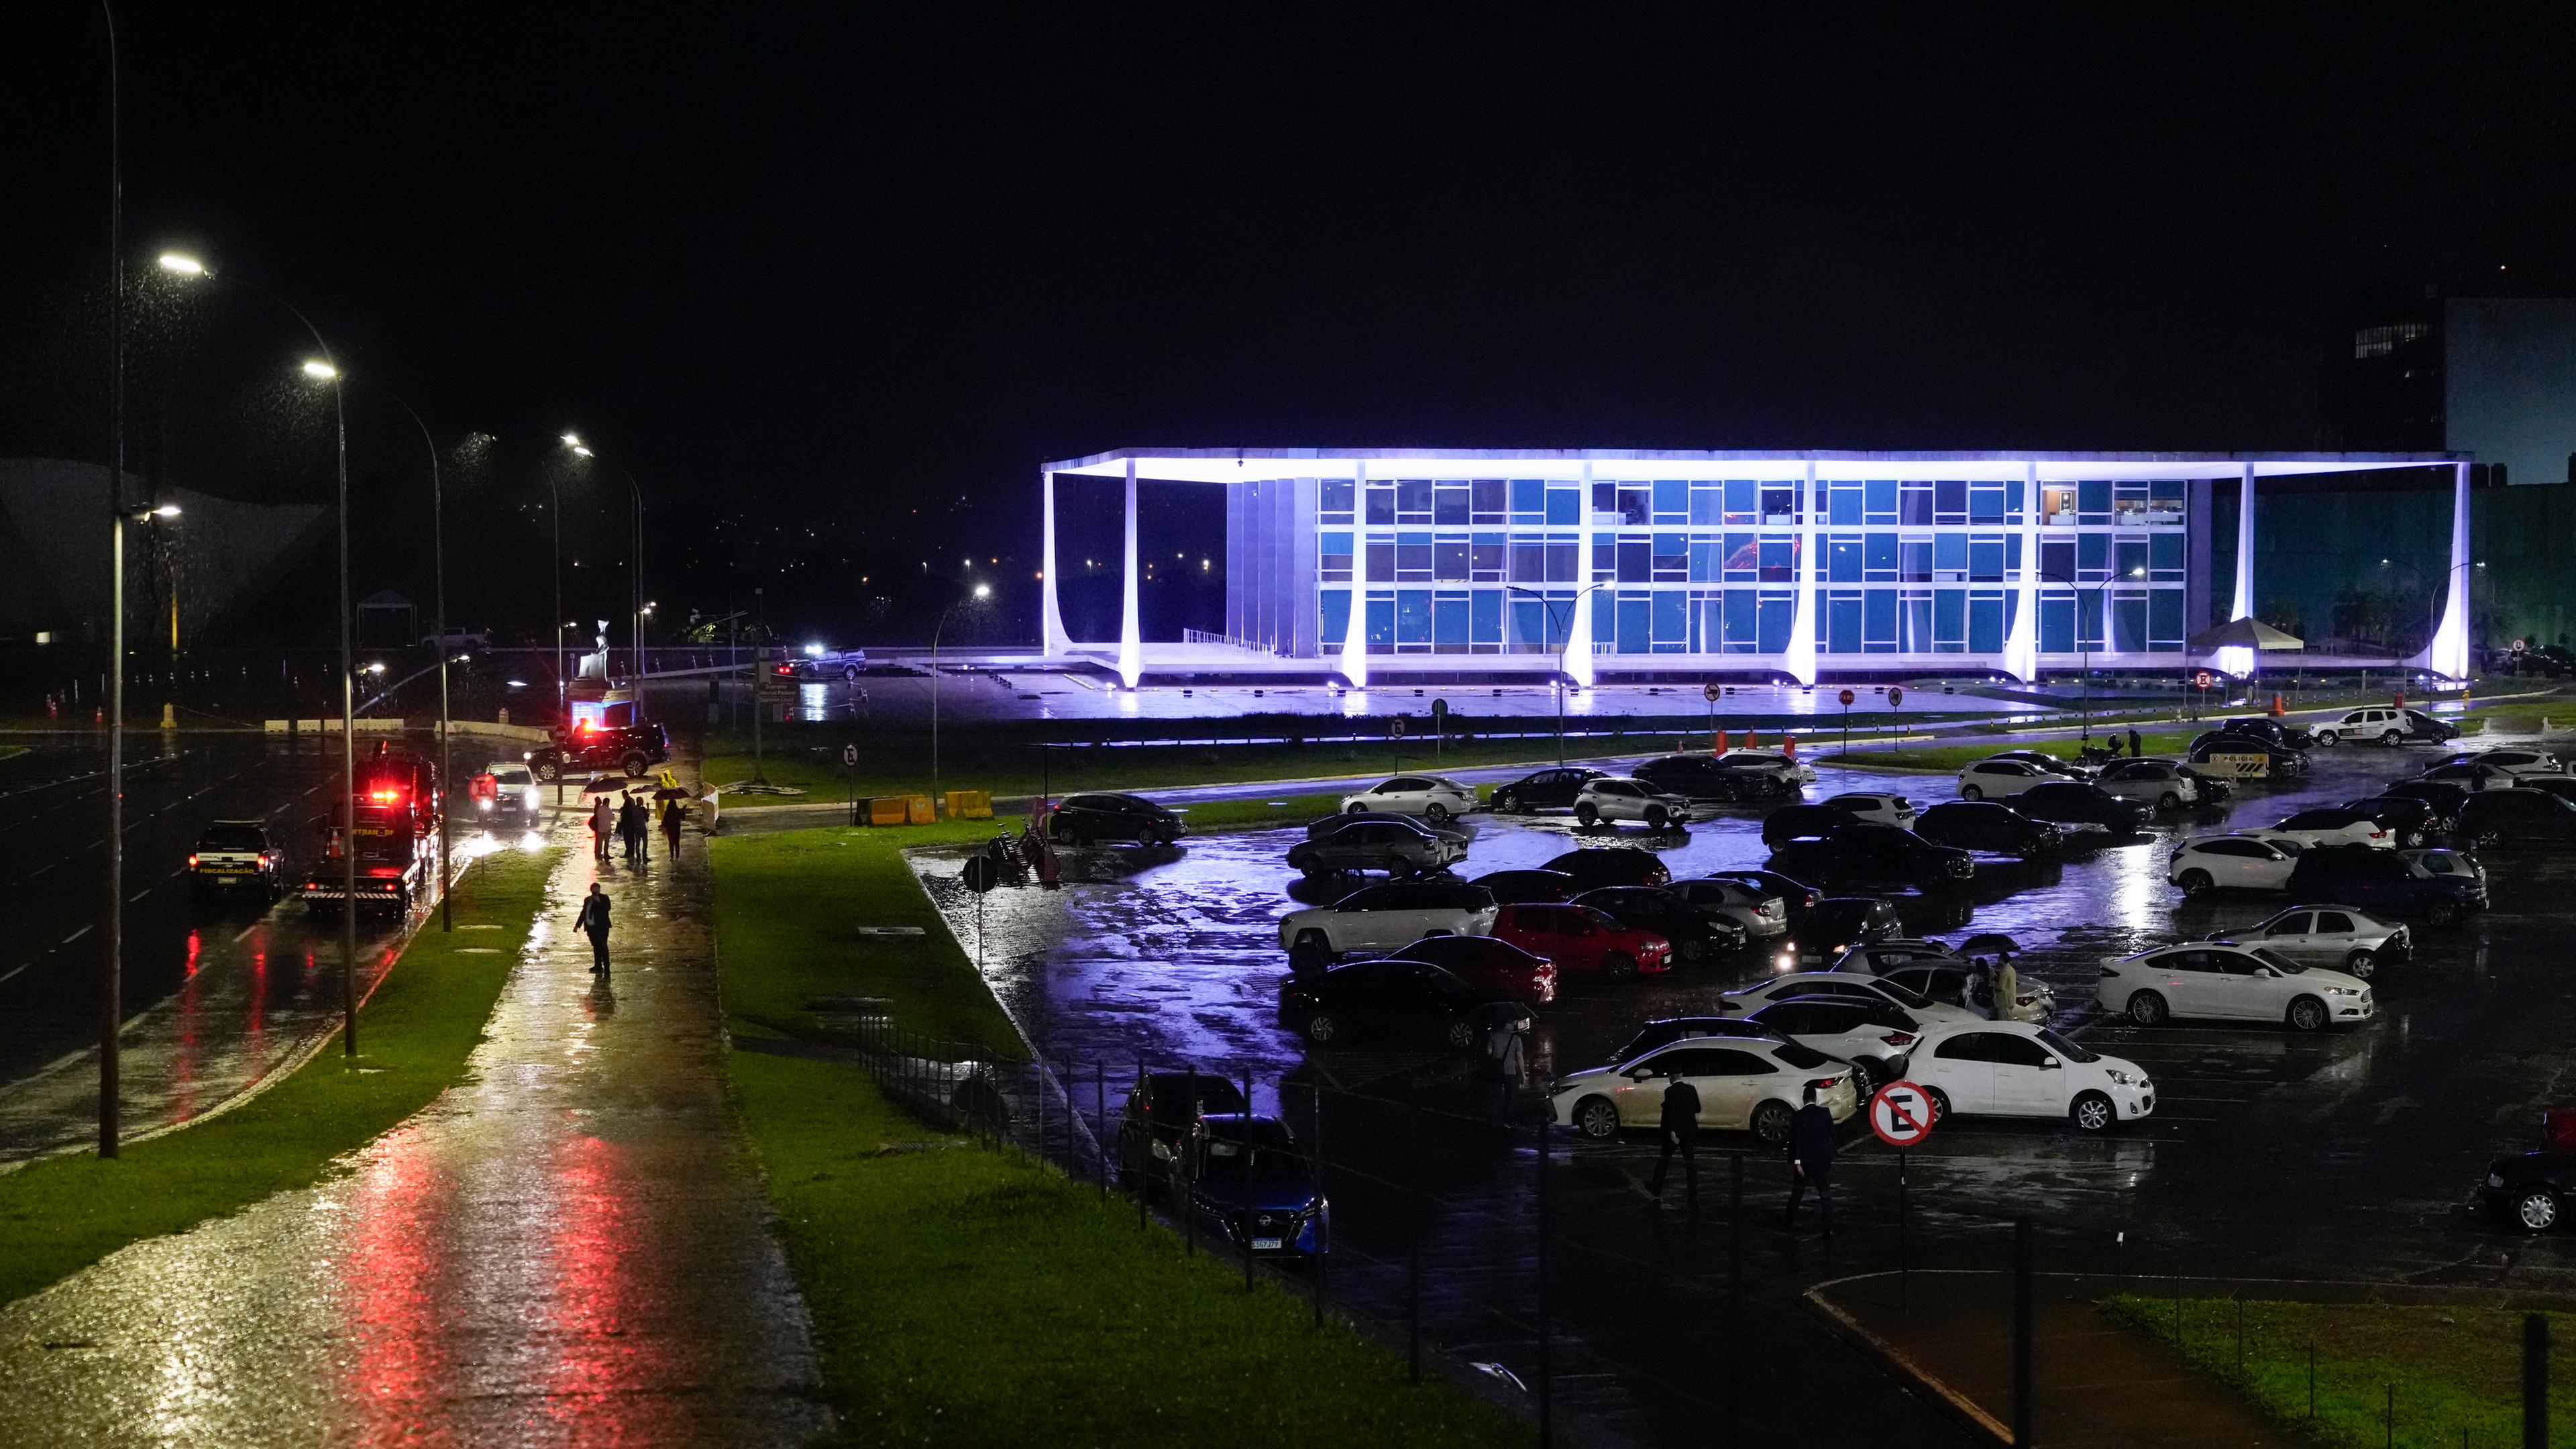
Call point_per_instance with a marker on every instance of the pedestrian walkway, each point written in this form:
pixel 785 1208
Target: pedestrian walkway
pixel 570 1247
pixel 2094 1384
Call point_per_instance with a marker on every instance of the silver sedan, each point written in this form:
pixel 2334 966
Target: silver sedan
pixel 2337 937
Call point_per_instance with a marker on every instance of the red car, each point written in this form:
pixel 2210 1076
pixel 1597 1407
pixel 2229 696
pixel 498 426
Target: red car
pixel 1488 965
pixel 1583 941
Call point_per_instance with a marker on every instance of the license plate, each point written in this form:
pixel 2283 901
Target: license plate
pixel 1265 1245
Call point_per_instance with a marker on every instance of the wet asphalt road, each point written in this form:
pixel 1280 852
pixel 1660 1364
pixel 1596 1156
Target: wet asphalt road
pixel 2340 1156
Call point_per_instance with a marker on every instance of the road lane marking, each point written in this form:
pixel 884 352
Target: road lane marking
pixel 76 935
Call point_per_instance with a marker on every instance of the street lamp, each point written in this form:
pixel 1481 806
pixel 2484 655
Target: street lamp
pixel 1559 682
pixel 981 593
pixel 181 265
pixel 323 371
pixel 635 551
pixel 2084 640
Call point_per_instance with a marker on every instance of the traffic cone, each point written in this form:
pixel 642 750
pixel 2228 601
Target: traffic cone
pixel 1788 744
pixel 2277 711
pixel 1721 743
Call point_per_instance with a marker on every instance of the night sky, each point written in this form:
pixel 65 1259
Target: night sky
pixel 832 280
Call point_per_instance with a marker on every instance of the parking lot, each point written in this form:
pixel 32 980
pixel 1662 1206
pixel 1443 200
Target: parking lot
pixel 2343 1155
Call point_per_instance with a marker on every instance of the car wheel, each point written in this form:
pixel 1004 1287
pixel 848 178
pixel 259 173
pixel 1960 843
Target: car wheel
pixel 1940 1102
pixel 1619 966
pixel 2443 913
pixel 2361 964
pixel 2392 739
pixel 549 770
pixel 849 674
pixel 2308 1014
pixel 1866 1077
pixel 1587 815
pixel 1596 1118
pixel 1692 949
pixel 2536 1211
pixel 2092 1112
pixel 2196 883
pixel 1356 807
pixel 1656 819
pixel 1771 1124
pixel 634 765
pixel 1071 834
pixel 2168 801
pixel 1436 813
pixel 2486 839
pixel 1507 803
pixel 1150 836
pixel 2149 1009
pixel 1971 792
pixel 1323 1028
pixel 2326 738
pixel 1460 1035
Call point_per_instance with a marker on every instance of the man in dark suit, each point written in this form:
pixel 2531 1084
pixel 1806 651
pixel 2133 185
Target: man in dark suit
pixel 1811 1160
pixel 1679 1132
pixel 593 922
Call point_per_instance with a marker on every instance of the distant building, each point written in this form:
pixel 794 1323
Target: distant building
pixel 1501 563
pixel 2490 376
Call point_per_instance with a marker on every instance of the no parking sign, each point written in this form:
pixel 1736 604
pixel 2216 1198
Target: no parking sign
pixel 1901 1114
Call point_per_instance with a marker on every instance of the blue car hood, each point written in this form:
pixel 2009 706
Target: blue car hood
pixel 1284 1195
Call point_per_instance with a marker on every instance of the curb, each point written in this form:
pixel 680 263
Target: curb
pixel 1960 1409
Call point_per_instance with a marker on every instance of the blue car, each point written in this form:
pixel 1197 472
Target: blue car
pixel 1248 1180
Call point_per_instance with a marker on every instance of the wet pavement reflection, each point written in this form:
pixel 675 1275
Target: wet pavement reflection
pixel 568 1248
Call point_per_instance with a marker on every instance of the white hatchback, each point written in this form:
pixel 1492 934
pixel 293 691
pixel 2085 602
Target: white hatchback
pixel 2000 779
pixel 1428 797
pixel 1770 762
pixel 2011 1069
pixel 1615 798
pixel 1872 806
pixel 2243 860
pixel 1742 1084
pixel 2224 981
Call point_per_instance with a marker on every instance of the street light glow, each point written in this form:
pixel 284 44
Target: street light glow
pixel 376 668
pixel 184 265
pixel 572 440
pixel 317 368
pixel 983 591
pixel 166 510
pixel 579 451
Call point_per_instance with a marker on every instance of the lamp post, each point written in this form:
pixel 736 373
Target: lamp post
pixel 1550 605
pixel 187 266
pixel 636 607
pixel 982 592
pixel 2083 640
pixel 111 935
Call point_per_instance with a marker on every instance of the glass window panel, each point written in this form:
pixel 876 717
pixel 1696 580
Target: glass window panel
pixel 1743 556
pixel 1636 560
pixel 2164 555
pixel 1449 505
pixel 1672 500
pixel 1413 616
pixel 1743 500
pixel 2057 505
pixel 2164 619
pixel 1949 555
pixel 2093 500
pixel 1779 560
pixel 1985 623
pixel 2131 558
pixel 2057 558
pixel 1381 503
pixel 1338 497
pixel 1950 620
pixel 1485 498
pixel 1843 505
pixel 1412 559
pixel 1529 500
pixel 1528 561
pixel 1915 503
pixel 1672 620
pixel 1707 562
pixel 2012 555
pixel 1780 502
pixel 1774 614
pixel 1985 560
pixel 1381 560
pixel 2057 623
pixel 1564 505
pixel 1879 620
pixel 2012 499
pixel 1917 561
pixel 2128 622
pixel 1843 623
pixel 1843 560
pixel 1879 557
pixel 1449 623
pixel 1486 626
pixel 1605 620
pixel 1986 503
pixel 2088 619
pixel 1449 561
pixel 1707 503
pixel 1949 500
pixel 1743 631
pixel 1918 622
pixel 1413 500
pixel 1564 557
pixel 1485 557
pixel 1636 505
pixel 2092 555
pixel 1381 623
pixel 1337 616
pixel 1879 500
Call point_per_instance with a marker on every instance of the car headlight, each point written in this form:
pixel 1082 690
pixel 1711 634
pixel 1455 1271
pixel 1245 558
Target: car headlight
pixel 2495 1179
pixel 2118 1078
pixel 2342 991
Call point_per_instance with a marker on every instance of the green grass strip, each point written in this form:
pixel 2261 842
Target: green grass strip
pixel 1956 757
pixel 63 1214
pixel 2452 1368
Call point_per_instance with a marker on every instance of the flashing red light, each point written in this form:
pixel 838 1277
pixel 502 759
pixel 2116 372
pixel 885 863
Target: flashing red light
pixel 382 870
pixel 383 797
pixel 192 862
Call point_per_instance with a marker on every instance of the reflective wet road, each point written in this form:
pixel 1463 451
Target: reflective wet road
pixel 570 1247
pixel 2340 1156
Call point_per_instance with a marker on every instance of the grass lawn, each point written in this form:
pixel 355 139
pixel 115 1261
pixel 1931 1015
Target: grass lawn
pixel 9 751
pixel 2453 1368
pixel 60 1215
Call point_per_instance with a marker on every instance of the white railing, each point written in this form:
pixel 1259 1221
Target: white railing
pixel 1229 641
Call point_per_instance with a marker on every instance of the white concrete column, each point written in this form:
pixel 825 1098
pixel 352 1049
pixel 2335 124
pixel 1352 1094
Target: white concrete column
pixel 1355 634
pixel 1053 641
pixel 2448 653
pixel 1131 622
pixel 1578 639
pixel 1799 663
pixel 2020 658
pixel 2235 659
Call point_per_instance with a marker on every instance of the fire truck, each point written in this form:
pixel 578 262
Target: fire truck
pixel 396 810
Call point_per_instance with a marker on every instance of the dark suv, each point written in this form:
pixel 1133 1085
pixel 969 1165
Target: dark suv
pixel 1836 924
pixel 1162 1108
pixel 1860 850
pixel 2515 817
pixel 1700 777
pixel 1988 825
pixel 237 856
pixel 2384 882
pixel 1391 1000
pixel 1081 819
pixel 633 748
pixel 1696 935
pixel 2071 802
pixel 2273 732
pixel 1546 790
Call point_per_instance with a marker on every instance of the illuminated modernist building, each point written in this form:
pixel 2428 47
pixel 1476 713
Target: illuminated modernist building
pixel 1374 563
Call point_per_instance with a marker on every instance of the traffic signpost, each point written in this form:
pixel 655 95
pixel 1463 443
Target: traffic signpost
pixel 850 779
pixel 2200 702
pixel 1710 692
pixel 1439 728
pixel 1846 698
pixel 1395 732
pixel 1901 1114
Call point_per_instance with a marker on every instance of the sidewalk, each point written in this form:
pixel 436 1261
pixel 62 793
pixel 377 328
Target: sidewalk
pixel 569 1248
pixel 2096 1385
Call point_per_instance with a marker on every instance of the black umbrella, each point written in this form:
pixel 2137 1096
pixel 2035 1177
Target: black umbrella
pixel 1992 942
pixel 667 793
pixel 604 785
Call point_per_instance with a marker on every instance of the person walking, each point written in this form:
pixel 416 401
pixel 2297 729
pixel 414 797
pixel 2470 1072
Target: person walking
pixel 1811 1160
pixel 2136 747
pixel 602 821
pixel 673 817
pixel 593 922
pixel 630 828
pixel 2007 988
pixel 1503 1056
pixel 1678 1131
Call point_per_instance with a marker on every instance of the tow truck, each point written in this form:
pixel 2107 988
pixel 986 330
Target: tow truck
pixel 396 826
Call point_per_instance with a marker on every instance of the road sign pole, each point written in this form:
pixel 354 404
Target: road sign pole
pixel 1904 1262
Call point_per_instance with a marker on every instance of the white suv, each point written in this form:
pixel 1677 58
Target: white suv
pixel 2384 725
pixel 2244 860
pixel 2010 1069
pixel 1384 917
pixel 2000 779
pixel 1614 799
pixel 2224 981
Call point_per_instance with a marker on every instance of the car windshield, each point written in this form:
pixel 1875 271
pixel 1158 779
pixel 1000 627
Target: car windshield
pixel 1799 1057
pixel 1904 995
pixel 511 774
pixel 232 837
pixel 2277 961
pixel 2071 1050
pixel 1269 1157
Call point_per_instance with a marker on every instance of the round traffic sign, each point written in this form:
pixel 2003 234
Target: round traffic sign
pixel 1901 1114
pixel 1895 695
pixel 1395 727
pixel 1710 692
pixel 2202 679
pixel 982 874
pixel 1846 698
pixel 850 756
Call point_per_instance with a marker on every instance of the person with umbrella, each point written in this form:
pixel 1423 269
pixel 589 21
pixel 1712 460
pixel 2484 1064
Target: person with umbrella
pixel 631 819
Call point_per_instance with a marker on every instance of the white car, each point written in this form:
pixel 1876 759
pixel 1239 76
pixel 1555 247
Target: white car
pixel 1789 772
pixel 2000 779
pixel 1949 982
pixel 2225 981
pixel 2013 1069
pixel 1616 798
pixel 2240 860
pixel 1428 797
pixel 2387 726
pixel 1762 916
pixel 2511 760
pixel 2472 776
pixel 1873 1037
pixel 514 792
pixel 1842 986
pixel 2338 936
pixel 2334 825
pixel 1870 805
pixel 1742 1085
pixel 1385 917
pixel 2156 784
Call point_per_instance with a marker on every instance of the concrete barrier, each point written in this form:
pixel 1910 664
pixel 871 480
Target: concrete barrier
pixel 332 726
pixel 970 805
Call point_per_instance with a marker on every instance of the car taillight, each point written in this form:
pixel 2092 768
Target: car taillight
pixel 192 862
pixel 382 870
pixel 265 860
pixel 1898 1038
pixel 1820 1084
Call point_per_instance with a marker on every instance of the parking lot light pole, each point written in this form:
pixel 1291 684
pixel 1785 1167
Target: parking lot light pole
pixel 981 593
pixel 2085 641
pixel 1550 606
pixel 179 264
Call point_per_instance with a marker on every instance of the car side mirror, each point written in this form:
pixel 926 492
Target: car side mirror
pixel 2050 1064
pixel 2267 973
pixel 1642 1074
